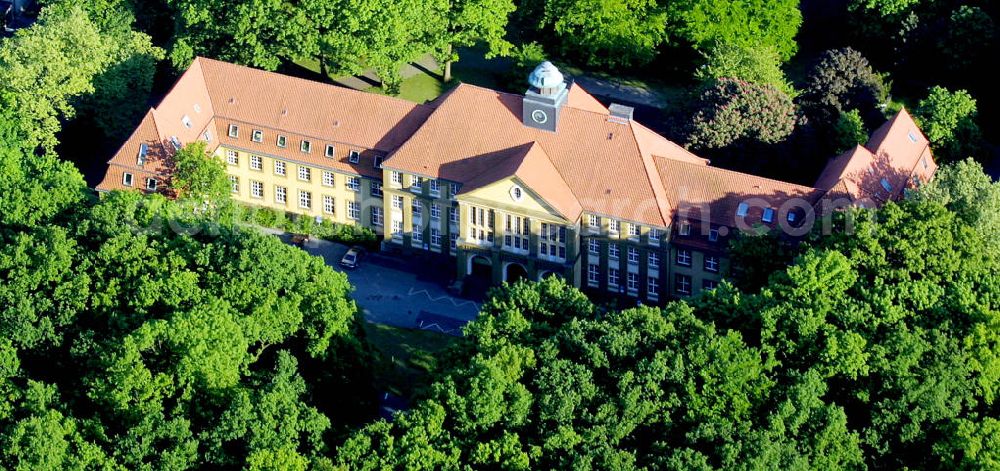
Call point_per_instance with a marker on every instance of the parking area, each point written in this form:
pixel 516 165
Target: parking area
pixel 390 292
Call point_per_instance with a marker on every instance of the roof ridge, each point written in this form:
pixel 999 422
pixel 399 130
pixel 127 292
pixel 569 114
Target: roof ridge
pixel 314 82
pixel 655 181
pixel 548 159
pixel 726 170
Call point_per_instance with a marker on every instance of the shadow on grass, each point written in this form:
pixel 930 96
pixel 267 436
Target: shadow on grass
pixel 407 357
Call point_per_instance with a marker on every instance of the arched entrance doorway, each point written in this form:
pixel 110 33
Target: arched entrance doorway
pixel 480 267
pixel 514 272
pixel 478 277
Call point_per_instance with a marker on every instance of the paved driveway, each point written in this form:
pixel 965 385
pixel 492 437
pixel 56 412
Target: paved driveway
pixel 389 293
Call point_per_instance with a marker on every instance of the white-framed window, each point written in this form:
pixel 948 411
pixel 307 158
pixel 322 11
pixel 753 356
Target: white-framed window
pixel 234 131
pixel 417 234
pixel 256 189
pixel 593 274
pixel 713 235
pixel 653 287
pixel 614 226
pixel 256 163
pixel 151 184
pixel 435 188
pixel 282 141
pixel 684 257
pixel 305 199
pixel 329 179
pixel 353 210
pixel 480 225
pixel 207 135
pixel 435 211
pixel 376 189
pixel 354 183
pixel 633 255
pixel 329 204
pixel 452 241
pixel 280 195
pixel 632 282
pixel 654 236
pixel 127 179
pixel 593 246
pixel 186 120
pixel 709 285
pixel 377 216
pixel 417 208
pixel 354 157
pixel 613 277
pixel 682 284
pixel 516 233
pixel 613 250
pixel 396 179
pixel 768 215
pixel 232 157
pixel 257 135
pixel 416 183
pixel 397 229
pixel 653 260
pixel 377 162
pixel 174 141
pixel 397 202
pixel 742 209
pixel 279 168
pixel 594 223
pixel 305 146
pixel 305 173
pixel 453 214
pixel 684 228
pixel 234 184
pixel 452 190
pixel 330 151
pixel 552 241
pixel 140 159
pixel 712 263
pixel 633 231
pixel 435 237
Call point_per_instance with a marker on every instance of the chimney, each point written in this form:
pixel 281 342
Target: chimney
pixel 620 114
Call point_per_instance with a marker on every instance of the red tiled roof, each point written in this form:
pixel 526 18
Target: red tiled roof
pixel 602 162
pixel 530 165
pixel 695 189
pixel 896 152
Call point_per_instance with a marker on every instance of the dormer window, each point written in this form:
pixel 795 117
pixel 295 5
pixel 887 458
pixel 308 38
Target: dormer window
pixel 282 141
pixel 330 151
pixel 378 161
pixel 684 229
pixel 257 136
pixel 713 235
pixel 187 121
pixel 886 186
pixel 305 146
pixel 175 142
pixel 234 131
pixel 768 215
pixel 207 135
pixel 742 209
pixel 355 157
pixel 143 152
pixel 792 217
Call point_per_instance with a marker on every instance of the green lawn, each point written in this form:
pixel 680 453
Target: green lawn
pixel 407 356
pixel 420 88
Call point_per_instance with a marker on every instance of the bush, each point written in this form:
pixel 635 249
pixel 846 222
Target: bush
pixel 733 110
pixel 843 80
pixel 294 223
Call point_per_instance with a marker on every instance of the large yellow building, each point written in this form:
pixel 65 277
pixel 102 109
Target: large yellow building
pixel 501 186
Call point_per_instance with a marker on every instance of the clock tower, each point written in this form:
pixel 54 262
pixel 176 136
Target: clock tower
pixel 545 97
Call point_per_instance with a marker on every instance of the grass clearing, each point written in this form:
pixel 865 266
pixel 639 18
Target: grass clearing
pixel 407 356
pixel 419 88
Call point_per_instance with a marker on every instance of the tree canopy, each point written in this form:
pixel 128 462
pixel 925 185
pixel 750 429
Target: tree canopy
pixel 733 110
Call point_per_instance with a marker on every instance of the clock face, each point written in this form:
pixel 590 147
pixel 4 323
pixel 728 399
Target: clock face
pixel 539 116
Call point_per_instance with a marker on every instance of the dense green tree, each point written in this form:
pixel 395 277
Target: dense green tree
pixel 947 118
pixel 745 23
pixel 755 64
pixel 733 110
pixel 249 32
pixel 968 192
pixel 44 67
pixel 607 33
pixel 198 176
pixel 850 130
pixel 476 21
pixel 841 81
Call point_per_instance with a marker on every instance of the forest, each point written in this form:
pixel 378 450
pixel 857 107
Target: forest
pixel 142 332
